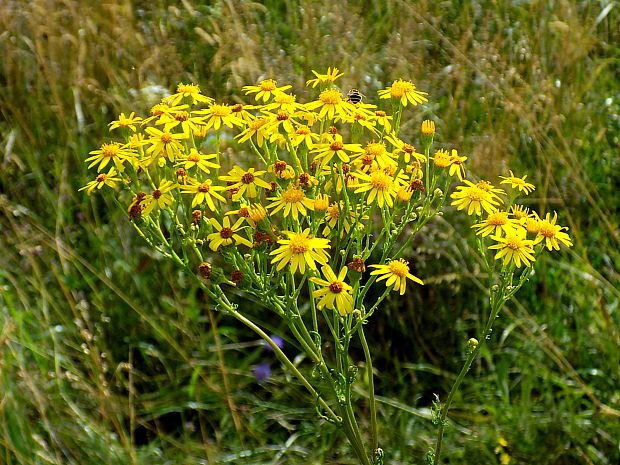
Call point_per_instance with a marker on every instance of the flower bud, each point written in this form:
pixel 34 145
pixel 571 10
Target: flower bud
pixel 472 344
pixel 205 269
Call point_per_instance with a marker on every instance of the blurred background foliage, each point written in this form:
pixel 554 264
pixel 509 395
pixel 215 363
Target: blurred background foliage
pixel 109 355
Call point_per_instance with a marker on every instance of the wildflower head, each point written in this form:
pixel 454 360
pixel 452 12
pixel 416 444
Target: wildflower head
pixel 205 269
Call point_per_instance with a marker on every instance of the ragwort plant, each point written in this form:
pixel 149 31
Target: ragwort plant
pixel 325 211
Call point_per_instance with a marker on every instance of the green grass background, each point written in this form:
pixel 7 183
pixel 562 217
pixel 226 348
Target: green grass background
pixel 110 355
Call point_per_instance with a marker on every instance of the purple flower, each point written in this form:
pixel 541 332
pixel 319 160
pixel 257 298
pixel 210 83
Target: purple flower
pixel 277 339
pixel 261 372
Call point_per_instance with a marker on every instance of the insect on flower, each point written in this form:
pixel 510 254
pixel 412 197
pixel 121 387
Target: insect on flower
pixel 354 96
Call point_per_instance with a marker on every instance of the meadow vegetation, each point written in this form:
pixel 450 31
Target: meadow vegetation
pixel 110 354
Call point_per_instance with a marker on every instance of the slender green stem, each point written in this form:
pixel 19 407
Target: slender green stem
pixel 374 443
pixel 498 298
pixel 284 359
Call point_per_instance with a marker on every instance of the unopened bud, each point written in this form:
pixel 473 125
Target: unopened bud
pixel 472 344
pixel 204 270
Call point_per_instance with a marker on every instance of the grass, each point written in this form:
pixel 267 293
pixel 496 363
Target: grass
pixel 109 355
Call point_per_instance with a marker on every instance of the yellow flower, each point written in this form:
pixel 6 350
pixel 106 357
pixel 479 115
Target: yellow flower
pixel 514 247
pixel 378 152
pixel 496 223
pixel 408 150
pixel 191 91
pixel 218 114
pixel 327 78
pixel 293 201
pixel 384 120
pixel 256 127
pixel 475 199
pixel 428 128
pixel 404 194
pixel 102 179
pixel 203 192
pixel 161 197
pixel 243 182
pixel 282 170
pixel 335 147
pixel 551 233
pixel 332 218
pixel 331 104
pixel 300 250
pixel 442 159
pixel 265 89
pixel 114 152
pixel 164 143
pixel 381 185
pixel 226 234
pixel 456 165
pixel 253 214
pixel 161 109
pixel 199 159
pixel 303 134
pixel 126 121
pixel 518 183
pixel 404 91
pixel 520 212
pixel 188 123
pixel 396 273
pixel 334 292
pixel 321 203
pixel 283 101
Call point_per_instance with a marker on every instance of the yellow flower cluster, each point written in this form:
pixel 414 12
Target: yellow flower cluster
pixel 509 228
pixel 297 185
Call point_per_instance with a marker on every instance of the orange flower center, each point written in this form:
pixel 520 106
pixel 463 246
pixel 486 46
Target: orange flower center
pixel 268 85
pixel 380 181
pixel 400 88
pixel 299 244
pixel 166 138
pixel 303 131
pixel 334 212
pixel 368 159
pixel 247 178
pixel 102 177
pixel 293 195
pixel 243 212
pixel 485 186
pixel 375 149
pixel 497 219
pixel 476 194
pixel 330 97
pixel 193 157
pixel 399 267
pixel 514 242
pixel 335 287
pixel 380 113
pixel 257 123
pixel 546 230
pixel 226 233
pixel 283 115
pixel 204 187
pixel 109 150
pixel 220 110
pixel 156 194
pixel 237 108
pixel 336 146
pixel 182 116
pixel 188 89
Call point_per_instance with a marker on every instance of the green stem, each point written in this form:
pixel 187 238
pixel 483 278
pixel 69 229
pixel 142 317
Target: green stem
pixel 374 443
pixel 498 299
